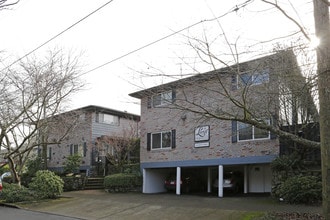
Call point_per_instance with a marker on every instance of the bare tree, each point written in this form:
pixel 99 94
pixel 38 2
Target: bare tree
pixel 5 4
pixel 33 92
pixel 120 149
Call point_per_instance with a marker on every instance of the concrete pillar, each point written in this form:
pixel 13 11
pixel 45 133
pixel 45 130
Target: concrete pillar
pixel 178 180
pixel 220 181
pixel 144 179
pixel 209 180
pixel 246 176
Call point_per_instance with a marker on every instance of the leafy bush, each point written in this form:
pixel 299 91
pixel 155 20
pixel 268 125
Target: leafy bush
pixel 122 182
pixel 14 193
pixel 132 168
pixel 301 189
pixel 26 179
pixel 4 169
pixel 33 166
pixel 46 184
pixel 287 163
pixel 72 163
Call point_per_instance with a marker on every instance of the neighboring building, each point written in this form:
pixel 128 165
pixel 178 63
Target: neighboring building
pixel 175 138
pixel 86 126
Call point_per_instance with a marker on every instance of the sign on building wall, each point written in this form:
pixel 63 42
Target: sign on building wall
pixel 202 136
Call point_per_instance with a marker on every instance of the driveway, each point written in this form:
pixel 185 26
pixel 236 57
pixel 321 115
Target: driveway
pixel 97 204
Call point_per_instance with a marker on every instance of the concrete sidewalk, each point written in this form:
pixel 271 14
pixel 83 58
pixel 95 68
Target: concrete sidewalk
pixel 98 204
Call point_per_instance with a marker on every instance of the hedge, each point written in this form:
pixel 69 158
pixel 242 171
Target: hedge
pixel 122 182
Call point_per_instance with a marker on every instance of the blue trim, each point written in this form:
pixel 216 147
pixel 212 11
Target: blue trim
pixel 211 162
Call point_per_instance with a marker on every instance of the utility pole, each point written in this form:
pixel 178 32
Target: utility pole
pixel 322 30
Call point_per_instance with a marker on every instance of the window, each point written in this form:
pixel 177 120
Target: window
pixel 249 132
pixel 49 153
pixel 254 78
pixel 164 98
pixel 161 140
pixel 75 149
pixel 107 119
pixel 78 149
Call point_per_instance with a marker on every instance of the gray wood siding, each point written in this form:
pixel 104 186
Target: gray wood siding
pixel 99 129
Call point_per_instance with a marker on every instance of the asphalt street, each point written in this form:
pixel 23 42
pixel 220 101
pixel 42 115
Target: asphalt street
pixel 11 213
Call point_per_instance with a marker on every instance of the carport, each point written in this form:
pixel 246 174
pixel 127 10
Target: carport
pixel 256 174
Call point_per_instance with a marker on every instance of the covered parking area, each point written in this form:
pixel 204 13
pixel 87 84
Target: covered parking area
pixel 256 174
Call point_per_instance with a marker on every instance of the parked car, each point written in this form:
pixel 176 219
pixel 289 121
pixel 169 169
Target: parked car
pixel 188 183
pixel 4 175
pixel 232 181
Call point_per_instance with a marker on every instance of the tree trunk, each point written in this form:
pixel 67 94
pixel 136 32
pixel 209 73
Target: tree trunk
pixel 44 155
pixel 322 30
pixel 15 176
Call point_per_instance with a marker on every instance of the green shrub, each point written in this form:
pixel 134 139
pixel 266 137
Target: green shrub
pixel 4 169
pixel 72 163
pixel 26 179
pixel 301 189
pixel 287 163
pixel 46 184
pixel 14 193
pixel 132 168
pixel 122 182
pixel 33 165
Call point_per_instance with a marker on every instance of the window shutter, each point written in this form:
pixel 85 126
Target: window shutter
pixel 71 149
pixel 97 115
pixel 148 141
pixel 173 139
pixel 173 95
pixel 85 149
pixel 50 153
pixel 234 82
pixel 273 122
pixel 233 131
pixel 149 102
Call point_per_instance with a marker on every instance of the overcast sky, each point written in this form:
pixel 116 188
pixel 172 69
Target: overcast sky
pixel 123 26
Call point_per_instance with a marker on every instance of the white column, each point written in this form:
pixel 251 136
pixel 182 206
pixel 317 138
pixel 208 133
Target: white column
pixel 178 180
pixel 144 176
pixel 220 181
pixel 246 176
pixel 209 179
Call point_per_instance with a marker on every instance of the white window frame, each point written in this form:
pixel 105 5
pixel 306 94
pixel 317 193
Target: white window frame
pixel 161 140
pixel 253 128
pixel 107 119
pixel 163 98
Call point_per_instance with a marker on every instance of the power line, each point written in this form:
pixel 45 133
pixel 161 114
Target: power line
pixel 234 9
pixel 57 35
pixel 147 45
